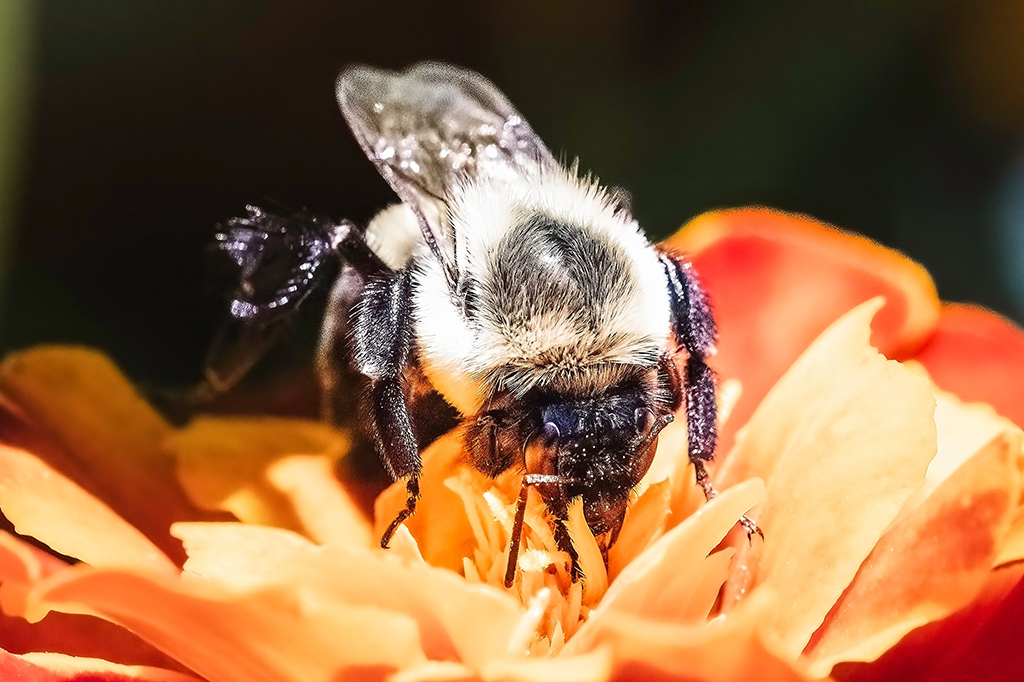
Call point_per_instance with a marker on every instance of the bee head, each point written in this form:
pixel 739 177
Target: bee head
pixel 596 448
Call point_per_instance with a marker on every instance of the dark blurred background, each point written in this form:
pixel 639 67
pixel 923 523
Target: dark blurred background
pixel 129 128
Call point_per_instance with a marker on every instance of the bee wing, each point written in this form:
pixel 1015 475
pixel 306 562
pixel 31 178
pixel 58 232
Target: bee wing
pixel 431 127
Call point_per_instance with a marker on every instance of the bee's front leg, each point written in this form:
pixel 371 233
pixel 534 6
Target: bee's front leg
pixel 695 330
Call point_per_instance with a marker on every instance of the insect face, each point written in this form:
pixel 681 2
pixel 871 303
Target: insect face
pixel 596 448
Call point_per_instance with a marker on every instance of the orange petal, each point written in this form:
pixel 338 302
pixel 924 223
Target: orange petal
pixel 73 408
pixel 842 440
pixel 777 280
pixel 42 503
pixel 979 356
pixel 1011 549
pixel 932 562
pixel 79 635
pixel 962 429
pixel 327 512
pixel 644 523
pixel 48 667
pixel 23 563
pixel 591 667
pixel 269 471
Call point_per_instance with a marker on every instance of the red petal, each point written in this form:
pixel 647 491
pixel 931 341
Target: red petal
pixel 981 642
pixel 777 280
pixel 979 356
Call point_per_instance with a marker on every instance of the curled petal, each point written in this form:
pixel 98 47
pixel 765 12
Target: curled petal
pixel 932 562
pixel 777 280
pixel 841 441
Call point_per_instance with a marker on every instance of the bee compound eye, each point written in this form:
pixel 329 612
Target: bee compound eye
pixel 644 419
pixel 551 434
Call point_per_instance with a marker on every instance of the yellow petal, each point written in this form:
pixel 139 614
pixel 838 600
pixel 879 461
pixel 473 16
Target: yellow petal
pixel 223 464
pixel 42 503
pixel 324 508
pixel 935 560
pixel 843 439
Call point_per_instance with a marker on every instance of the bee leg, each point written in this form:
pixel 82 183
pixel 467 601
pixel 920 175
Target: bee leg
pixel 559 508
pixel 413 491
pixel 333 369
pixel 517 535
pixel 334 373
pixel 695 329
pixel 564 542
pixel 381 344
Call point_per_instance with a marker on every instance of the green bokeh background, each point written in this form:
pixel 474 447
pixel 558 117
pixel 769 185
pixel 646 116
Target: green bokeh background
pixel 128 128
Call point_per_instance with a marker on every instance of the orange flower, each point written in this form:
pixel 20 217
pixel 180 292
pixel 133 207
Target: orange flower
pixel 889 494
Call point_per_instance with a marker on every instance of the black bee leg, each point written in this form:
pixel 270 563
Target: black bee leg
pixel 517 535
pixel 413 491
pixel 694 327
pixel 381 341
pixel 339 399
pixel 564 542
pixel 559 508
pixel 551 487
pixel 333 368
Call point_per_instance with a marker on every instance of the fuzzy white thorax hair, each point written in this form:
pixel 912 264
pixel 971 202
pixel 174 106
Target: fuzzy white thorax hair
pixel 557 288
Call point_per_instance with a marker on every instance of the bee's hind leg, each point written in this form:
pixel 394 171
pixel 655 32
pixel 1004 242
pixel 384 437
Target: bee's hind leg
pixel 381 345
pixel 694 327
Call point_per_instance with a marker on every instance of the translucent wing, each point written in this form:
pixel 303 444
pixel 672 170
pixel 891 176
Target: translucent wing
pixel 432 126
